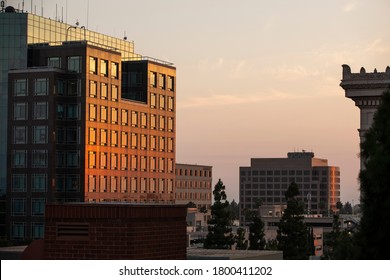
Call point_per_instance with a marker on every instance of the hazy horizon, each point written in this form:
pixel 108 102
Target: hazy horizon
pixel 254 78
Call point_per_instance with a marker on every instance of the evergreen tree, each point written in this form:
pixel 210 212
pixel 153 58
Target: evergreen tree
pixel 241 242
pixel 219 230
pixel 292 234
pixel 256 234
pixel 374 230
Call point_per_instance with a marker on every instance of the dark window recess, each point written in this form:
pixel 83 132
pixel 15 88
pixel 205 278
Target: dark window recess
pixel 73 231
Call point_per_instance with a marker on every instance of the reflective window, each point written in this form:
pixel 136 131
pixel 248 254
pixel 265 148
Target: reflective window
pixel 73 159
pixel 114 70
pixel 41 87
pixel 38 230
pixel 19 182
pixel 103 113
pixel 38 182
pixel 104 67
pixel 124 139
pixel 153 100
pixel 124 117
pixel 133 162
pixel 20 87
pixel 40 134
pixel 170 103
pixel 134 140
pixel 91 159
pixel 134 118
pixel 17 231
pixel 114 138
pixel 114 161
pixel 18 207
pixel 103 91
pixel 38 206
pixel 114 115
pixel 20 111
pixel 92 88
pixel 103 137
pixel 54 62
pixel 152 79
pixel 171 83
pixel 92 112
pixel 92 136
pixel 161 81
pixel 114 92
pixel 39 159
pixel 73 112
pixel 40 111
pixel 19 159
pixel 74 87
pixel 93 65
pixel 74 64
pixel 103 160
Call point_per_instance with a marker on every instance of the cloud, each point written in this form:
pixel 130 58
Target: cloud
pixel 294 72
pixel 350 6
pixel 239 69
pixel 207 65
pixel 225 99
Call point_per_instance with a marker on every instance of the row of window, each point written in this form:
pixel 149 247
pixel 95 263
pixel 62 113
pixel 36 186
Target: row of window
pixel 287 172
pixel 103 67
pixel 324 186
pixel 18 231
pixel 19 206
pixel 116 161
pixel 129 185
pixel 196 173
pixel 104 93
pixel 161 81
pixel 189 195
pixel 38 183
pixel 39 158
pixel 40 111
pixel 41 87
pixel 39 134
pixel 287 179
pixel 193 184
pixel 124 117
pixel 162 102
pixel 113 138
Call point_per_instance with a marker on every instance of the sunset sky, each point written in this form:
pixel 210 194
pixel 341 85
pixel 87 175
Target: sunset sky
pixel 255 78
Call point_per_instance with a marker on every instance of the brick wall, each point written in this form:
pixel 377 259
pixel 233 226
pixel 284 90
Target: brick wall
pixel 115 231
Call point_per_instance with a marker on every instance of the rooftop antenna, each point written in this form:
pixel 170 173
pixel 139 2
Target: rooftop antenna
pixel 42 8
pixel 22 5
pixel 77 22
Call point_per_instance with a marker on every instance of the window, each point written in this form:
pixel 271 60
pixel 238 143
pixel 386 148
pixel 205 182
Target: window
pixel 162 102
pixel 60 159
pixel 91 159
pixel 103 137
pixel 104 67
pixel 18 231
pixel 123 184
pixel 144 145
pixel 171 104
pixel 133 185
pixel 161 81
pixel 152 79
pixel 114 70
pixel 73 159
pixel 60 111
pixel 39 159
pixel 19 159
pixel 171 83
pixel 153 100
pixel 134 140
pixel 92 136
pixel 40 110
pixel 170 145
pixel 124 139
pixel 114 93
pixel 114 161
pixel 41 86
pixel 92 65
pixel 73 111
pixel 19 182
pixel 74 64
pixel 92 88
pixel 114 115
pixel 162 123
pixel 170 124
pixel 114 138
pixel 20 111
pixel 20 87
pixel 143 163
pixel 162 144
pixel 134 119
pixel 103 160
pixel 170 165
pixel 161 165
pixel 103 91
pixel 124 117
pixel 40 135
pixel 153 142
pixel 72 135
pixel 103 183
pixel 103 113
pixel 144 119
pixel 38 206
pixel 153 122
pixel 37 230
pixel 124 164
pixel 74 87
pixel 133 162
pixel 152 185
pixel 153 163
pixel 72 183
pixel 92 183
pixel 143 185
pixel 92 112
pixel 60 89
pixel 54 62
pixel 18 207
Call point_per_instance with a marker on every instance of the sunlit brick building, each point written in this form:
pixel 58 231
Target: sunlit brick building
pixel 87 120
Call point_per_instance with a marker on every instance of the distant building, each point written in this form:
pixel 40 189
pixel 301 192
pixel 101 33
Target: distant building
pixel 88 120
pixel 266 180
pixel 194 184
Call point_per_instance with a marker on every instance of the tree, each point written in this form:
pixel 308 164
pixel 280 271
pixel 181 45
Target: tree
pixel 191 205
pixel 374 232
pixel 256 233
pixel 219 230
pixel 347 208
pixel 241 242
pixel 235 209
pixel 292 234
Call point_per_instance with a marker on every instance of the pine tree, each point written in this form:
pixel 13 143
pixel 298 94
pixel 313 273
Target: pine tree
pixel 256 234
pixel 241 242
pixel 220 225
pixel 292 234
pixel 374 232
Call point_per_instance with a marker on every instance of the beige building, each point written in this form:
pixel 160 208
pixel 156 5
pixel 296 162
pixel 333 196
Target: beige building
pixel 193 184
pixel 266 180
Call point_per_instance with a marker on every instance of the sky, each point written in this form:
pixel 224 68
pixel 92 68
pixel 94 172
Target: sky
pixel 255 78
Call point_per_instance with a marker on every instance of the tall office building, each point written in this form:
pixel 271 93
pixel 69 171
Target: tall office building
pixel 88 120
pixel 266 180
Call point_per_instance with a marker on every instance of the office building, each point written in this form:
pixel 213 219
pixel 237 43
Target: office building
pixel 194 184
pixel 266 180
pixel 88 120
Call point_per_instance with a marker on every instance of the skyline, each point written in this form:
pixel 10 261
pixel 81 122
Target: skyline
pixel 254 79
